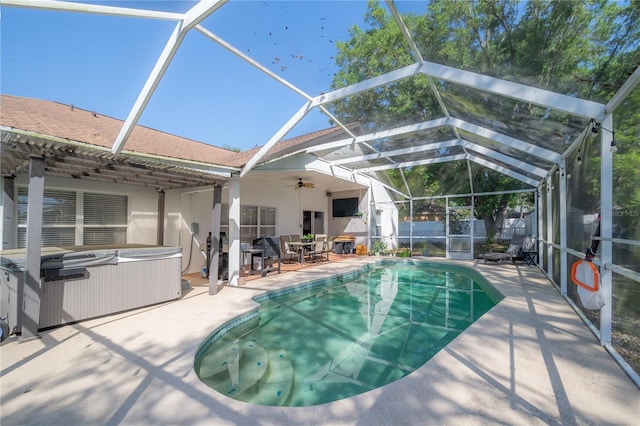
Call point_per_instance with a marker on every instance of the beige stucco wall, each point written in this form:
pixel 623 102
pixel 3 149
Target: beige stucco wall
pixel 185 207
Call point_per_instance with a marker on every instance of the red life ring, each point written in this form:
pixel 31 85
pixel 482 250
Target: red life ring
pixel 586 275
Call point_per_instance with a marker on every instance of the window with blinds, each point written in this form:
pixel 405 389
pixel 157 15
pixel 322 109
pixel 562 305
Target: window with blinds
pixel 58 218
pixel 105 219
pixel 267 222
pixel 256 221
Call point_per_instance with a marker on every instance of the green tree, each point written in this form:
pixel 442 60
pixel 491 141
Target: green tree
pixel 583 49
pixel 380 49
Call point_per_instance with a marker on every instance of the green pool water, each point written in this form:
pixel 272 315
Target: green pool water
pixel 337 338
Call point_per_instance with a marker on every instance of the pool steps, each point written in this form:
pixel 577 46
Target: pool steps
pixel 274 388
pixel 219 361
pixel 246 371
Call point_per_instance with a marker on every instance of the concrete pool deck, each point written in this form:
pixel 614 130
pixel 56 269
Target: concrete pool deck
pixel 530 360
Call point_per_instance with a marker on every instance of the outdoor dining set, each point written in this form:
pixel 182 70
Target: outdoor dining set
pixel 265 254
pixel 295 248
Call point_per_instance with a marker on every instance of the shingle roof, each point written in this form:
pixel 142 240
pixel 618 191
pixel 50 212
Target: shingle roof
pixel 286 146
pixel 69 122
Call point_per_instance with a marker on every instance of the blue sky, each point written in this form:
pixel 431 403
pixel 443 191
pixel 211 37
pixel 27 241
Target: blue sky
pixel 100 63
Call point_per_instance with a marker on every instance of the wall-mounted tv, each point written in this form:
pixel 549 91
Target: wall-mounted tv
pixel 345 207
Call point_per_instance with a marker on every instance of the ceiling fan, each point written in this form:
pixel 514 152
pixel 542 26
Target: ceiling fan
pixel 302 184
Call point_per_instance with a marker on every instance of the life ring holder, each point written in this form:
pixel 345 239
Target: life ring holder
pixel 577 268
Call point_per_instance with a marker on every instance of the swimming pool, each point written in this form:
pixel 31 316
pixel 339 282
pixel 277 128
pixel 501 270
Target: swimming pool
pixel 334 338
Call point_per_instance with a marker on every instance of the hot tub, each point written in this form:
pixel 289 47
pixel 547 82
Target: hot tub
pixel 82 282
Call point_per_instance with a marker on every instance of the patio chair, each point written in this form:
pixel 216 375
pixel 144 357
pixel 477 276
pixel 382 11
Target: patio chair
pixel 319 249
pixel 510 254
pixel 328 247
pixel 286 253
pixel 528 252
pixel 295 238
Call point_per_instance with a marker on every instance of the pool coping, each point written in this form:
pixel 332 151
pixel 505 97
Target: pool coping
pixel 529 360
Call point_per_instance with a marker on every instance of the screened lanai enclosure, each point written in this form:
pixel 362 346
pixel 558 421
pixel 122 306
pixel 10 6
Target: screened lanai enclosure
pixel 482 120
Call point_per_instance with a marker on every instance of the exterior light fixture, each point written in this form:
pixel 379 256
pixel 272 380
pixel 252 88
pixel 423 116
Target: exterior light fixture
pixel 613 148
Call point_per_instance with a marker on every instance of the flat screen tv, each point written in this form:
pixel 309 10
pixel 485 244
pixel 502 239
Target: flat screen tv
pixel 345 207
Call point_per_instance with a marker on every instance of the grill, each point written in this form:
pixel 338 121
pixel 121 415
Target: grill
pixel 268 250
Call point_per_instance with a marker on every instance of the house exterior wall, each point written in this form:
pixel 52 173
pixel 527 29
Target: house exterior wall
pixel 197 206
pixel 185 207
pixel 353 226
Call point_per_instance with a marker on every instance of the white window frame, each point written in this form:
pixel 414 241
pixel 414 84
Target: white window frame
pixel 76 226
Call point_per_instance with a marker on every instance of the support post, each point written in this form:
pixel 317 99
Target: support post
pixel 563 227
pixel 540 230
pixel 549 236
pixel 32 289
pixel 371 211
pixel 473 228
pixel 606 228
pixel 214 254
pixel 411 225
pixel 234 230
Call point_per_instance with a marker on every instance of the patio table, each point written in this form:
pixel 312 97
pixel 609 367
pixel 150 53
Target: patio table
pixel 300 247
